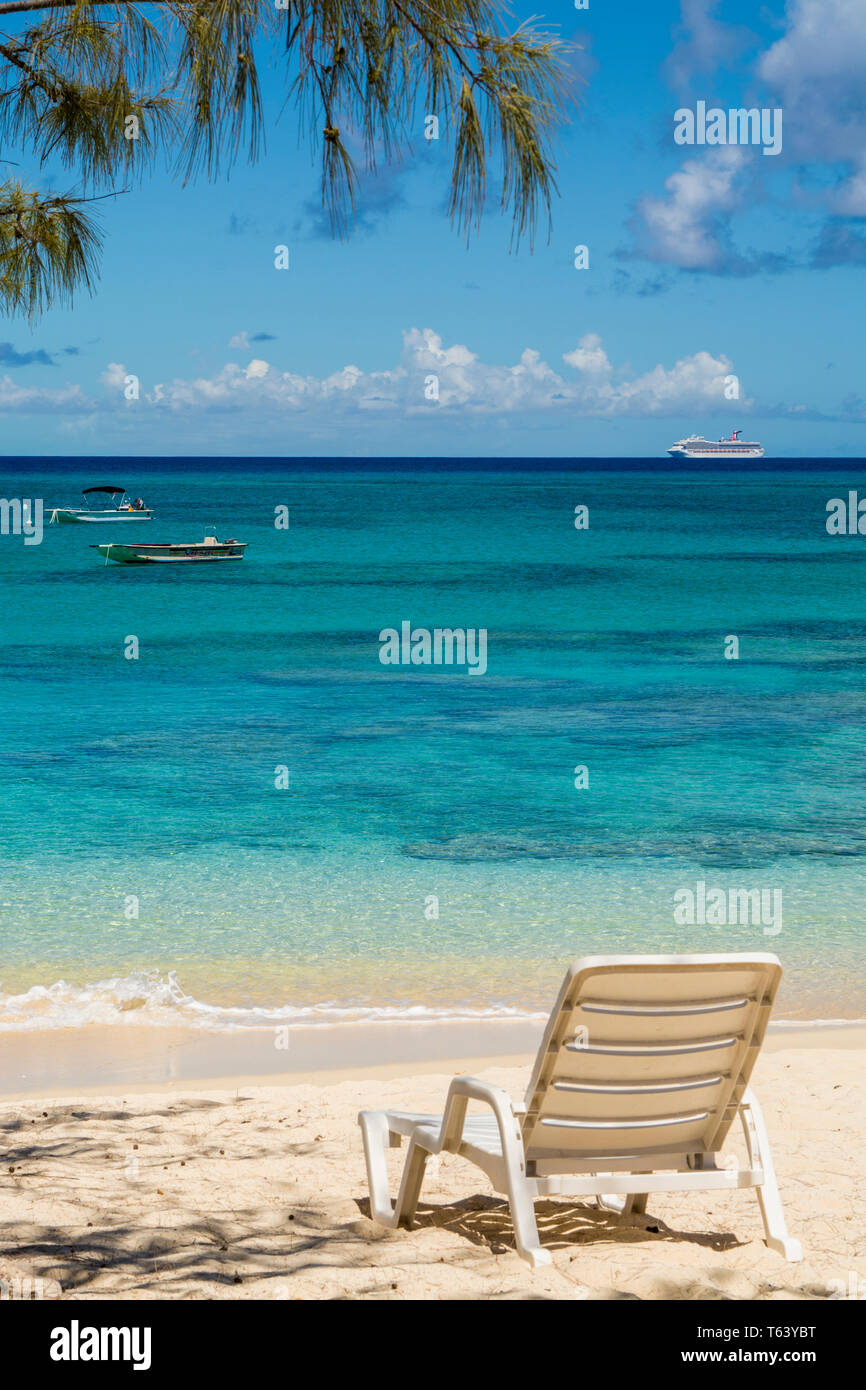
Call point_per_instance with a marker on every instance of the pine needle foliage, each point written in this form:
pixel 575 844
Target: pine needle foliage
pixel 107 89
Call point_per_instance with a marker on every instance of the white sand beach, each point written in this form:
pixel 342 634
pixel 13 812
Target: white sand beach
pixel 234 1189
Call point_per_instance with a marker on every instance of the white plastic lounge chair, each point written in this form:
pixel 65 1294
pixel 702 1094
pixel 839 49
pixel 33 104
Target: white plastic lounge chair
pixel 643 1068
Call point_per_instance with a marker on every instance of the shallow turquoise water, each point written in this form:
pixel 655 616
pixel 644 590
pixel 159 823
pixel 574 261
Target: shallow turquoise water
pixel 154 778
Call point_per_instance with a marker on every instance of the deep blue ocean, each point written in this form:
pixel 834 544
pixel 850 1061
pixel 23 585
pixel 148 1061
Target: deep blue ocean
pixel 431 852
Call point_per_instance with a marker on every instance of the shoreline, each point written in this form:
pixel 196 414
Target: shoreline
pixel 108 1060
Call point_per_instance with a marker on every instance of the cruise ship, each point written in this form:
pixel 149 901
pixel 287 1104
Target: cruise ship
pixel 696 447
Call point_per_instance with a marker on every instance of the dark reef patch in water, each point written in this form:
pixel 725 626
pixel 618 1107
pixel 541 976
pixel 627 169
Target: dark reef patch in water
pixel 725 850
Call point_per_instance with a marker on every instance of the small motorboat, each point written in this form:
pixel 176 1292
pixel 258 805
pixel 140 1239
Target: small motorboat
pixel 200 551
pixel 124 508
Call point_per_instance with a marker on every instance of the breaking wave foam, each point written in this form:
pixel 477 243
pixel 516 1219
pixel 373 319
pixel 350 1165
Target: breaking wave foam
pixel 149 998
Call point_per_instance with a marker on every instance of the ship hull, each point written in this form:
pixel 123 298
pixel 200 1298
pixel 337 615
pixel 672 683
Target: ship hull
pixel 679 452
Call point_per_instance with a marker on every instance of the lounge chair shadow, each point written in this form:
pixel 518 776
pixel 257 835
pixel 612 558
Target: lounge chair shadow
pixel 486 1221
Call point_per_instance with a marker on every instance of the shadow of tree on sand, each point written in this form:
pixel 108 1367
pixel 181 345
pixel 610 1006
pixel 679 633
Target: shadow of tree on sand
pixel 124 1236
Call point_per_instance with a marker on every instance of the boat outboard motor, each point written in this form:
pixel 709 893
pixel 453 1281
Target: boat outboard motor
pixel 138 504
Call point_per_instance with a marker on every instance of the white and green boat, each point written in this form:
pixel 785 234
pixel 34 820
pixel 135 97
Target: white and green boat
pixel 123 509
pixel 209 549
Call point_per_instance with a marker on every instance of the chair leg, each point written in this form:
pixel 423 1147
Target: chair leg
pixel 609 1201
pixel 772 1212
pixel 520 1200
pixel 410 1184
pixel 623 1206
pixel 377 1137
pixel 526 1239
pixel 635 1204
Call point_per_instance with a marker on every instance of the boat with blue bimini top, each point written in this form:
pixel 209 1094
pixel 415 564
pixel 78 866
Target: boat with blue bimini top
pixel 123 509
pixel 209 549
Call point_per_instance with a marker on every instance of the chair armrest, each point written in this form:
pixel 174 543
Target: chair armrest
pixel 475 1089
pixel 466 1088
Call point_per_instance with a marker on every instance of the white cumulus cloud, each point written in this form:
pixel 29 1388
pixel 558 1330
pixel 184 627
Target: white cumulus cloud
pixel 818 69
pixel 41 400
pixel 687 226
pixel 586 384
pixel 114 376
pixel 589 355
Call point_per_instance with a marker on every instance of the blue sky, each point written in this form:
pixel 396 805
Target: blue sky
pixel 704 262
